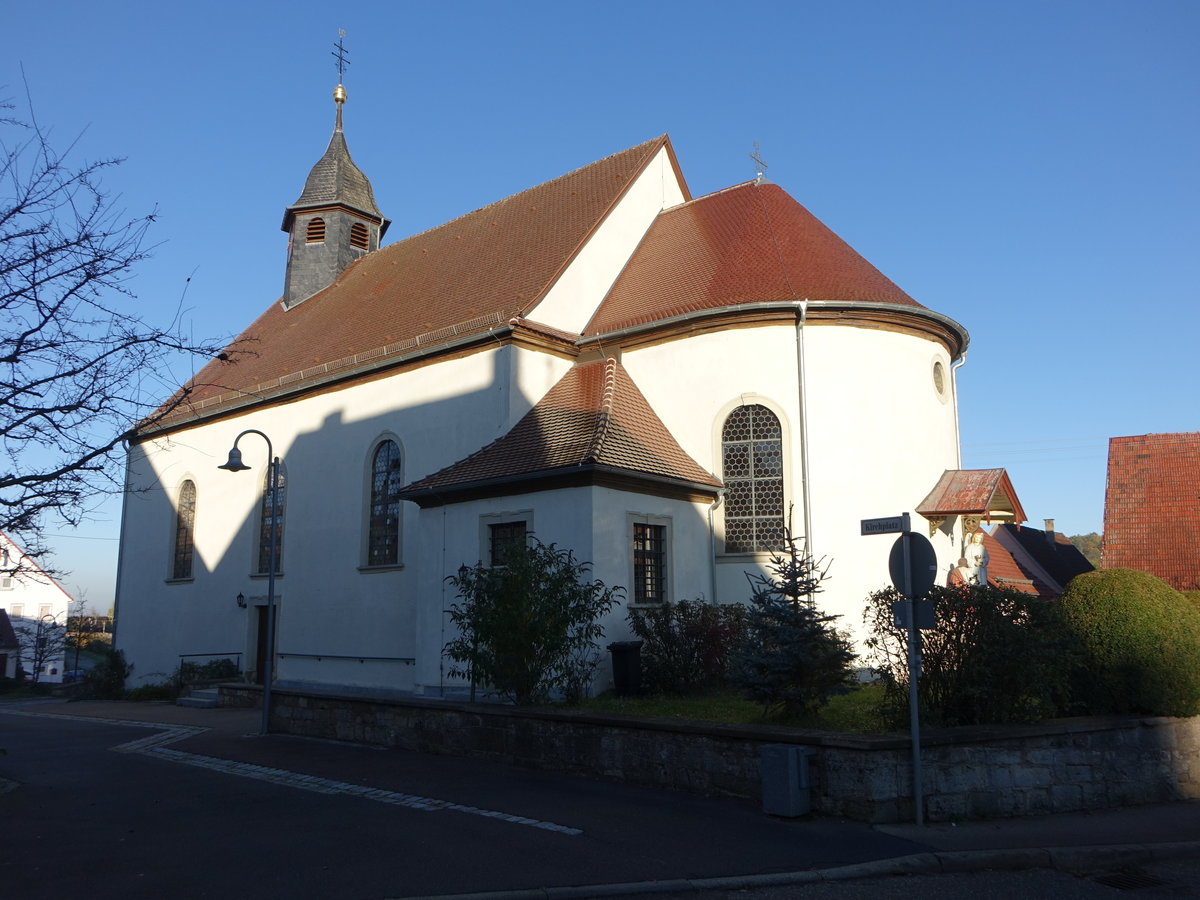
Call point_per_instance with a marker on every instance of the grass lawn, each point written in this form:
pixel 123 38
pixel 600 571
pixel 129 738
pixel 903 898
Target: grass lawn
pixel 856 711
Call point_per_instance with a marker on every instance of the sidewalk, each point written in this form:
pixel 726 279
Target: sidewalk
pixel 1072 842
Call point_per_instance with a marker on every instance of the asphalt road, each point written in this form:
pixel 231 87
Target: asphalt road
pixel 86 820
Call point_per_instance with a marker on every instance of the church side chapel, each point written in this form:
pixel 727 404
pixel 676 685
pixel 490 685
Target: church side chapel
pixel 659 382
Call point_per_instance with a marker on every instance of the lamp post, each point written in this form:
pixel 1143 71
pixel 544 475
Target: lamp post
pixel 235 464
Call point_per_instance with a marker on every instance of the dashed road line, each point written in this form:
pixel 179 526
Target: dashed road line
pixel 155 745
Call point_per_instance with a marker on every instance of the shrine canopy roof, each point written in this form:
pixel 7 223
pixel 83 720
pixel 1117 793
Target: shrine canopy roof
pixel 986 493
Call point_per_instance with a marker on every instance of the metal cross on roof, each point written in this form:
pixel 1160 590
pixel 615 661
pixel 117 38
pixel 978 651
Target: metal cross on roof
pixel 758 161
pixel 340 55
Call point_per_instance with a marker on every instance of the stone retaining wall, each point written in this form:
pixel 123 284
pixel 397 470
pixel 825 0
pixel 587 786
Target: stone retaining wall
pixel 969 773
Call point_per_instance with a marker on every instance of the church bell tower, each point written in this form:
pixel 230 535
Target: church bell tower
pixel 335 221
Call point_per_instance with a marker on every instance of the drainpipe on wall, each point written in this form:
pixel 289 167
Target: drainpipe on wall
pixel 954 367
pixel 801 399
pixel 712 545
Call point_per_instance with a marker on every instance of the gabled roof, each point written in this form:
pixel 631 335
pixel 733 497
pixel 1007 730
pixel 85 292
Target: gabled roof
pixel 593 426
pixel 1005 571
pixel 465 277
pixel 986 493
pixel 747 244
pixel 1151 507
pixel 1050 552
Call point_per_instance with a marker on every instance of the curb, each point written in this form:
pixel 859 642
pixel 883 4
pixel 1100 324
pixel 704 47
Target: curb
pixel 1064 859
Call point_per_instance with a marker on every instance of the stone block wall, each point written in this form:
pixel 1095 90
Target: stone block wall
pixel 969 773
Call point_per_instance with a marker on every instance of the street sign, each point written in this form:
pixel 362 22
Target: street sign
pixel 922 565
pixel 886 525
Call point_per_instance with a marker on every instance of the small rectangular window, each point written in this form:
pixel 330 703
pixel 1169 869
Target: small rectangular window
pixel 18 610
pixel 6 583
pixel 503 538
pixel 649 563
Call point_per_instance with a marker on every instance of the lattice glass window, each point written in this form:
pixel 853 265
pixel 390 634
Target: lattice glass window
pixel 265 523
pixel 185 524
pixel 359 236
pixel 503 538
pixel 649 563
pixel 752 465
pixel 383 535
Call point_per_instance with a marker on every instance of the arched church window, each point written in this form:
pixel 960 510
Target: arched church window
pixel 269 514
pixel 316 231
pixel 752 468
pixel 359 237
pixel 185 526
pixel 383 530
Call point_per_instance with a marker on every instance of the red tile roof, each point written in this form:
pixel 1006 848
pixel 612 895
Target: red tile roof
pixel 593 418
pixel 474 272
pixel 973 492
pixel 750 243
pixel 1152 507
pixel 1004 571
pixel 1053 553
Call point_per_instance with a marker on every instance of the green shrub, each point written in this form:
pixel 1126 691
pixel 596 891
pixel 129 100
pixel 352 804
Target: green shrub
pixel 1141 641
pixel 220 669
pixel 791 658
pixel 530 627
pixel 147 692
pixel 686 646
pixel 994 656
pixel 106 680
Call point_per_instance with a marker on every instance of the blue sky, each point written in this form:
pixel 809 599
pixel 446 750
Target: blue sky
pixel 1031 169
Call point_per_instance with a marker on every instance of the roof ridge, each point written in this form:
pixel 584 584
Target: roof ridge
pixel 532 187
pixel 604 412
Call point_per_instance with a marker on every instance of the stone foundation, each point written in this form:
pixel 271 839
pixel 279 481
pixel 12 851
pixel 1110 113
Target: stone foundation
pixel 1066 765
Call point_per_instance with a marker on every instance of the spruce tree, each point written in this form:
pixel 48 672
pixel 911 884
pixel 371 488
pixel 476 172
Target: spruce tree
pixel 792 658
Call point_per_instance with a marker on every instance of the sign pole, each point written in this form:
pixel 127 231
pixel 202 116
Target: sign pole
pixel 914 672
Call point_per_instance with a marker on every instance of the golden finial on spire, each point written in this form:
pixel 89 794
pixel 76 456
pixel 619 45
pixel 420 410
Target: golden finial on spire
pixel 339 92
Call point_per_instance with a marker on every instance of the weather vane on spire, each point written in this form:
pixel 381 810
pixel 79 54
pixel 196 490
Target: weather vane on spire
pixel 340 55
pixel 760 166
pixel 339 92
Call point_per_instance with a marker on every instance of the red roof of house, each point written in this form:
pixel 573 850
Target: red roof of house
pixel 974 492
pixel 1152 507
pixel 472 273
pixel 1006 571
pixel 593 418
pixel 750 243
pixel 1058 558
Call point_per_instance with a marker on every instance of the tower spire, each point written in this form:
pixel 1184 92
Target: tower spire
pixel 339 92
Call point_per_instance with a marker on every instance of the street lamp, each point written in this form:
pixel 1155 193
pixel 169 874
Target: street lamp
pixel 235 464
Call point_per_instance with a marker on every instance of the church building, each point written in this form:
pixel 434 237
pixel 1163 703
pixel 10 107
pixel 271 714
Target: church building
pixel 660 382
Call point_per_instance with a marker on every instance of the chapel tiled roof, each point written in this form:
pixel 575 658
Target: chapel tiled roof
pixel 1060 559
pixel 1151 507
pixel 987 493
pixel 594 417
pixel 750 243
pixel 466 276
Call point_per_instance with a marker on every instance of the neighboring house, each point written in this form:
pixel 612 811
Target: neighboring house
pixel 1045 558
pixel 1152 507
pixel 659 382
pixel 37 608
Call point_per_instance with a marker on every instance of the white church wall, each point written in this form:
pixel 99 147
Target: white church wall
pixel 327 607
pixel 879 435
pixel 570 303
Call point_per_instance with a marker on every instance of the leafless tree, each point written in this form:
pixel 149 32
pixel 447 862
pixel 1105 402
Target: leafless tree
pixel 80 363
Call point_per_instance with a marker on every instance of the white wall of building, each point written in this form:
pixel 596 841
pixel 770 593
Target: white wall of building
pixel 35 603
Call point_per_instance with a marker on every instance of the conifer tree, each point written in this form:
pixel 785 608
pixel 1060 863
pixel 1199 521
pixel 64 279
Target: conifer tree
pixel 792 658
